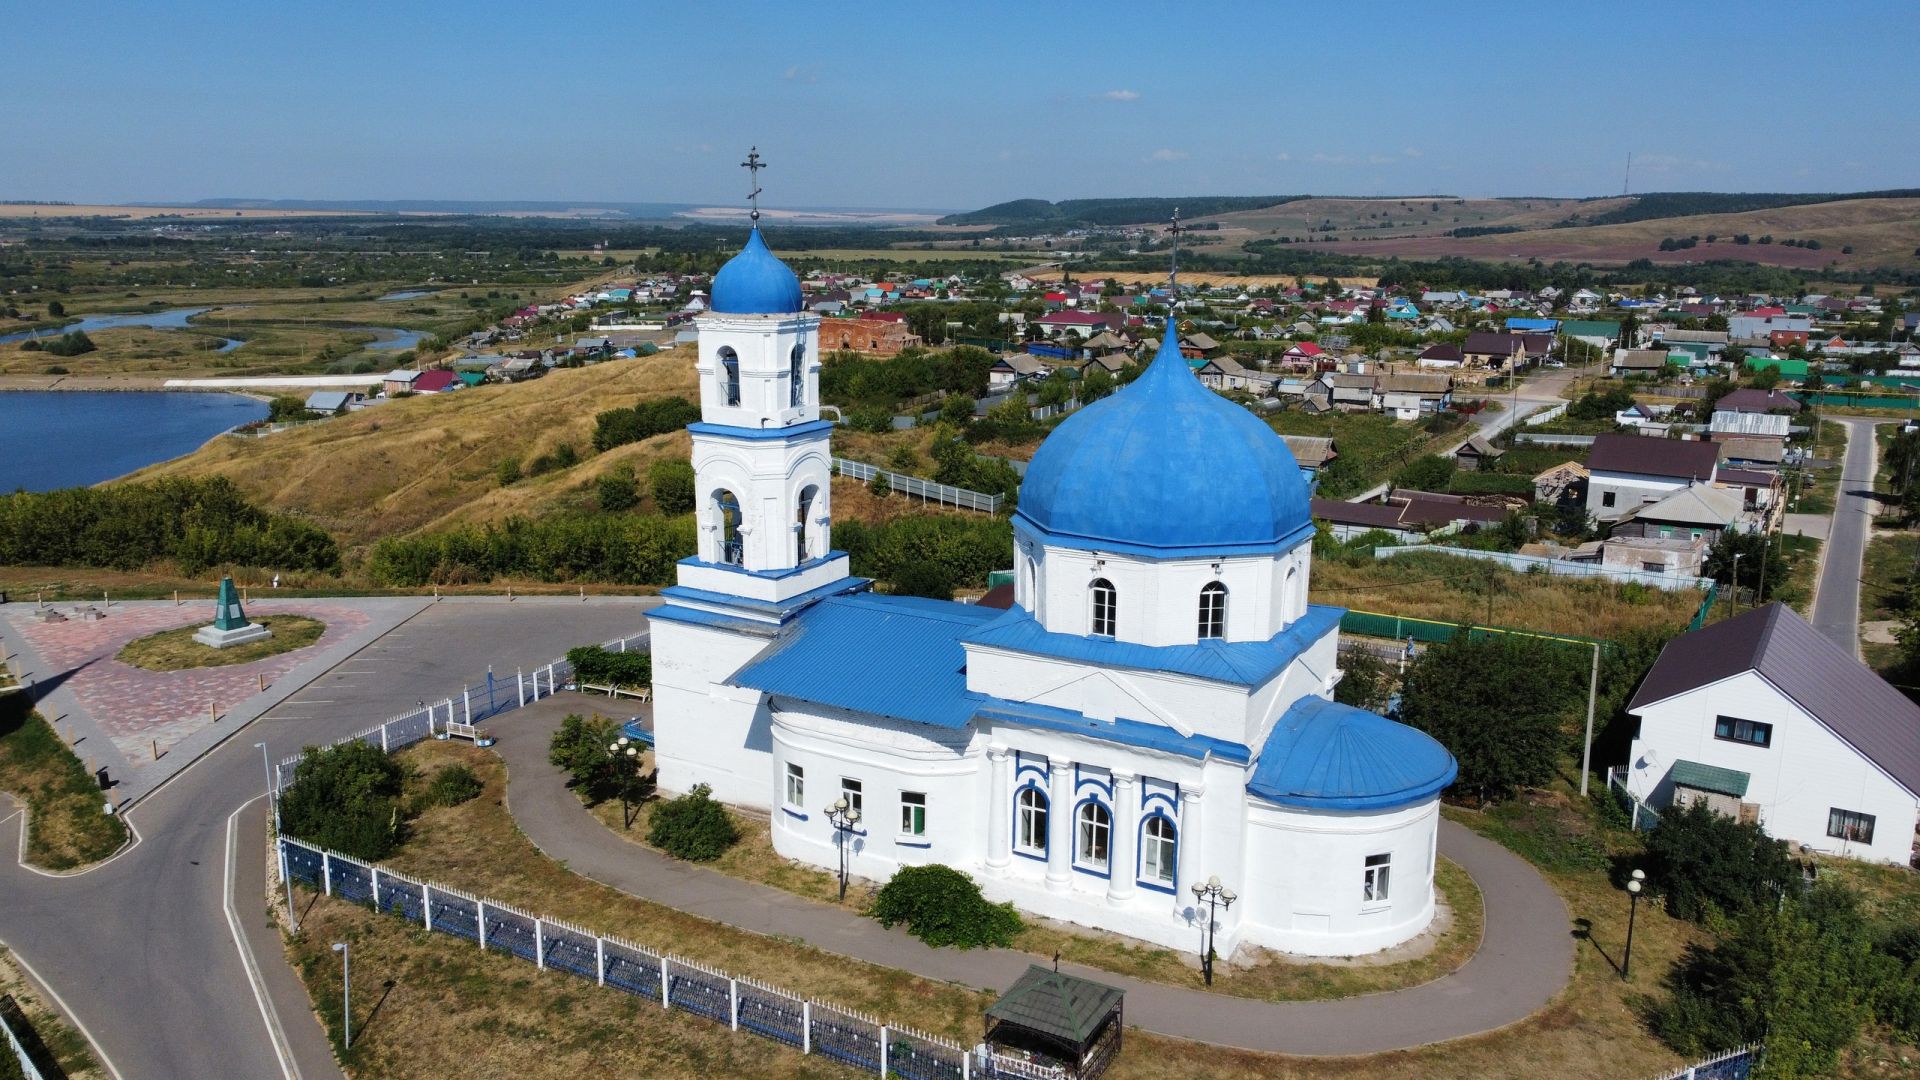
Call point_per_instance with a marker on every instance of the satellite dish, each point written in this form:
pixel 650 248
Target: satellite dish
pixel 1649 759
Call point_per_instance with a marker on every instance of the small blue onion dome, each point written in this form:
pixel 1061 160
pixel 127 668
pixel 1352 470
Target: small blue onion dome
pixel 755 282
pixel 1168 466
pixel 1328 756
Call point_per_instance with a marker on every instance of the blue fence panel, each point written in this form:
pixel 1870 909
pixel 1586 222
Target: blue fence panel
pixel 403 898
pixel 633 970
pixel 846 1038
pixel 303 863
pixel 916 1060
pixel 570 950
pixel 409 729
pixel 1738 1067
pixel 774 1015
pixel 352 881
pixel 454 915
pixel 699 992
pixel 510 931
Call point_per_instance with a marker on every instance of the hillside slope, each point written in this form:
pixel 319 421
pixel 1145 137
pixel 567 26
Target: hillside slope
pixel 428 462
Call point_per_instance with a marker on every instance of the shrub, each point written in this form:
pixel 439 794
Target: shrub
pixel 72 344
pixel 597 664
pixel 923 579
pixel 55 369
pixel 198 522
pixel 617 490
pixel 579 746
pixel 451 786
pixel 1704 862
pixel 563 456
pixel 693 827
pixel 880 486
pixel 507 471
pixel 672 485
pixel 286 407
pixel 347 798
pixel 942 906
pixel 1496 705
pixel 617 427
pixel 1428 472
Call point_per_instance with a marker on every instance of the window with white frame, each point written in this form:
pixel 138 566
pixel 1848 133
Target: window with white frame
pixel 1374 887
pixel 913 813
pixel 850 790
pixel 1213 611
pixel 1031 833
pixel 1105 607
pixel 1096 829
pixel 1157 851
pixel 1850 825
pixel 796 785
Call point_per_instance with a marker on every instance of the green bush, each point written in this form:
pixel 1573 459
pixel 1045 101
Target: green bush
pixel 200 523
pixel 1704 862
pixel 617 490
pixel 942 906
pixel 597 664
pixel 622 549
pixel 1497 705
pixel 672 485
pixel 451 786
pixel 347 798
pixel 923 579
pixel 880 486
pixel 617 427
pixel 507 471
pixel 1428 472
pixel 693 827
pixel 285 408
pixel 73 344
pixel 579 747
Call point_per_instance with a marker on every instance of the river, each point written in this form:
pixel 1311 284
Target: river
pixel 55 439
pixel 170 319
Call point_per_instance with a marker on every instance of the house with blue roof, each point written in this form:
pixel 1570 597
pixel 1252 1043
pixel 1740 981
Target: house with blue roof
pixel 1154 709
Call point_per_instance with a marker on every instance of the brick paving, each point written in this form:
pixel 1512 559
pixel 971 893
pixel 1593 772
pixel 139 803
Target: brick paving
pixel 136 708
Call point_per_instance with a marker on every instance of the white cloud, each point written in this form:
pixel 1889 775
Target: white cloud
pixel 1122 95
pixel 806 73
pixel 1164 154
pixel 1283 156
pixel 1411 151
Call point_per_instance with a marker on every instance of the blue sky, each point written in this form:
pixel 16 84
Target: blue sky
pixel 951 106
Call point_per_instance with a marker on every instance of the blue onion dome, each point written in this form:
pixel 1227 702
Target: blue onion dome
pixel 755 282
pixel 1168 466
pixel 1328 756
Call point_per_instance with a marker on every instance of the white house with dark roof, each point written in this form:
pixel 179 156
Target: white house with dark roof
pixel 1155 709
pixel 1628 471
pixel 1767 719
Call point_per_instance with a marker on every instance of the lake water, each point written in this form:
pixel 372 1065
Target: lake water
pixel 55 439
pixel 407 294
pixel 391 338
pixel 170 319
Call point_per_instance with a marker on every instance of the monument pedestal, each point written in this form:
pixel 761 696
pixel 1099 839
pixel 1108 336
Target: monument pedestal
pixel 239 635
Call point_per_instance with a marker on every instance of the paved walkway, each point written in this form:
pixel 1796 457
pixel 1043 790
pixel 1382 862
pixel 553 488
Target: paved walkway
pixel 1836 601
pixel 1526 956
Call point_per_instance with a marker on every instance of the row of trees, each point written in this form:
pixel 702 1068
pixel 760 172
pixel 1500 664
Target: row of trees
pixel 617 427
pixel 850 378
pixel 620 549
pixel 198 523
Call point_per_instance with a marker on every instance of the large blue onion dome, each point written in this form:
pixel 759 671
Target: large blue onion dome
pixel 1166 466
pixel 755 282
pixel 1328 756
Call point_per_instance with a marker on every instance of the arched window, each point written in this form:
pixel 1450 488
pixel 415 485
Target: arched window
pixel 1095 828
pixel 797 376
pixel 1031 834
pixel 1286 595
pixel 1213 610
pixel 1158 848
pixel 1105 607
pixel 730 375
pixel 801 525
pixel 727 510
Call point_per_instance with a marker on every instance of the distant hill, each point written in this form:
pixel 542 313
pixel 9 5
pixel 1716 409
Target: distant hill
pixel 1070 213
pixel 1669 204
pixel 532 207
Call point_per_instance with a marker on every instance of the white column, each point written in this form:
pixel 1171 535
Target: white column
pixel 1059 825
pixel 1189 837
pixel 1120 846
pixel 1000 810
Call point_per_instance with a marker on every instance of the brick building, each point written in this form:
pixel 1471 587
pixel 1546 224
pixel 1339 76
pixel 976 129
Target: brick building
pixel 866 335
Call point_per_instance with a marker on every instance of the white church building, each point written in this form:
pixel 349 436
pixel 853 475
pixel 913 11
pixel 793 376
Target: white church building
pixel 1154 709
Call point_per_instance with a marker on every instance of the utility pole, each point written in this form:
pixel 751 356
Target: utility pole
pixel 1593 694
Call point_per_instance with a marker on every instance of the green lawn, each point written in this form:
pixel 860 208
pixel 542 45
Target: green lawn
pixel 1371 446
pixel 1887 574
pixel 67 827
pixel 175 650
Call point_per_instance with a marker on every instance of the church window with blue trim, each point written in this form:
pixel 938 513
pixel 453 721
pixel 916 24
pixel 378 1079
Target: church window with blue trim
pixel 1158 848
pixel 730 375
pixel 727 508
pixel 1106 605
pixel 1095 830
pixel 1032 834
pixel 797 377
pixel 1213 611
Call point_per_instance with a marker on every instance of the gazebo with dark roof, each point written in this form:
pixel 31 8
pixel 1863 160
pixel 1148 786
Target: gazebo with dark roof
pixel 1058 1020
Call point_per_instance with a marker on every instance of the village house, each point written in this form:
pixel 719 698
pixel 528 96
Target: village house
pixel 398 382
pixel 1637 362
pixel 1013 369
pixel 1477 454
pixel 1626 472
pixel 1495 352
pixel 1749 400
pixel 1410 396
pixel 1313 452
pixel 333 402
pixel 1441 355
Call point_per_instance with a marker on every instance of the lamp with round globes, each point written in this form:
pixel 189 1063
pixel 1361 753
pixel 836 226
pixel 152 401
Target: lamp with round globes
pixel 1634 885
pixel 1216 896
pixel 843 817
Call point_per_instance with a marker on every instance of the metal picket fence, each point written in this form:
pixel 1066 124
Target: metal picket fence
pixel 925 490
pixel 1737 1064
pixel 812 1027
pixel 23 1045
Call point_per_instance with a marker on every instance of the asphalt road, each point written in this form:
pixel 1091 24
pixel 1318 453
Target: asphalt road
pixel 1836 603
pixel 142 950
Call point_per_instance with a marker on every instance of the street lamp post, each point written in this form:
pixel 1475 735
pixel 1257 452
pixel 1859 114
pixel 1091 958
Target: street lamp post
pixel 1215 896
pixel 843 818
pixel 625 763
pixel 1634 885
pixel 1736 580
pixel 346 997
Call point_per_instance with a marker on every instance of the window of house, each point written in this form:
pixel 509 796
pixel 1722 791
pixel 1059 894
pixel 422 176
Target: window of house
pixel 850 790
pixel 1157 851
pixel 1752 732
pixel 1606 498
pixel 796 785
pixel 1096 828
pixel 1105 604
pixel 1374 887
pixel 730 375
pixel 1031 834
pixel 1213 611
pixel 913 813
pixel 1848 825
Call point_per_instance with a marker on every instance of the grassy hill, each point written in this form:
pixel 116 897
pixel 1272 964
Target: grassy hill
pixel 1071 213
pixel 429 462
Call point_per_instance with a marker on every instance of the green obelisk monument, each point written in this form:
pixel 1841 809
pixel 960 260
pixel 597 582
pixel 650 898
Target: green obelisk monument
pixel 230 625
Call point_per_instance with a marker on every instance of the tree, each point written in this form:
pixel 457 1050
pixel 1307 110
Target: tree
pixel 923 579
pixel 956 409
pixel 1428 472
pixel 1766 378
pixel 1096 383
pixel 617 490
pixel 579 746
pixel 56 309
pixel 880 486
pixel 345 797
pixel 1366 682
pixel 285 408
pixel 671 483
pixel 1763 568
pixel 1705 863
pixel 942 906
pixel 693 827
pixel 1496 704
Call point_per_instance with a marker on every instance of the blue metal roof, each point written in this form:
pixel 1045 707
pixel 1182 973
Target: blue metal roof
pixel 1123 731
pixel 711 619
pixel 1241 663
pixel 1165 465
pixel 895 656
pixel 781 608
pixel 755 282
pixel 1328 756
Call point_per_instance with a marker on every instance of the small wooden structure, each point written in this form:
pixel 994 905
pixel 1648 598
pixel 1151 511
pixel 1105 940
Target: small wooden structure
pixel 1058 1022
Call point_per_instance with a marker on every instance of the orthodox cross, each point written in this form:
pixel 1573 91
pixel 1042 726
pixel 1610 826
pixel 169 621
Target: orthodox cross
pixel 1173 236
pixel 753 165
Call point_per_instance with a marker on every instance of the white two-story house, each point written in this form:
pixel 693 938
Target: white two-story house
pixel 1626 472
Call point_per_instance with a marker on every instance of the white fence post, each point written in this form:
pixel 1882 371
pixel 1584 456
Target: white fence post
pixel 540 944
pixel 520 684
pixel 883 1049
pixel 623 644
pixel 426 905
pixel 806 1027
pixel 733 1003
pixel 666 988
pixel 466 707
pixel 966 1065
pixel 376 888
pixel 326 873
pixel 384 748
pixel 600 960
pixel 552 687
pixel 480 920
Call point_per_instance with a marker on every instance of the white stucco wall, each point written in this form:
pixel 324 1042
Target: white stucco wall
pixel 1630 490
pixel 704 731
pixel 1805 772
pixel 764 345
pixel 1305 872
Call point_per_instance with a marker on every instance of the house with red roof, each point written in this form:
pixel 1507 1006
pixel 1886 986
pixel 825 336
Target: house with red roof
pixel 1302 356
pixel 435 382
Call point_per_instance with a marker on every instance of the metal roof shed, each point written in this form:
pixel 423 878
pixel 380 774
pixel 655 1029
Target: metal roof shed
pixel 1060 1020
